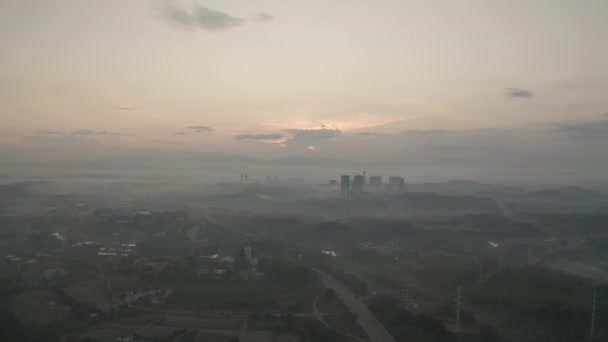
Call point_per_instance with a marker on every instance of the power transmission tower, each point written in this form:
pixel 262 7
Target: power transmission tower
pixel 458 306
pixel 501 260
pixel 406 293
pixel 593 309
pixel 480 268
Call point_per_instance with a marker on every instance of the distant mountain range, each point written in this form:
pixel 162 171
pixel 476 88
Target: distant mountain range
pixel 312 161
pixel 566 194
pixel 455 187
pixel 15 190
pixel 295 161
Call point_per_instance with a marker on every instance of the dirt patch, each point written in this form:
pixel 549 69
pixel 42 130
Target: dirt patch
pixel 201 322
pixel 91 292
pixel 39 308
pixel 267 336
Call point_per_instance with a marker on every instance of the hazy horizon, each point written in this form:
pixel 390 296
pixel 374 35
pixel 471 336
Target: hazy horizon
pixel 207 170
pixel 466 88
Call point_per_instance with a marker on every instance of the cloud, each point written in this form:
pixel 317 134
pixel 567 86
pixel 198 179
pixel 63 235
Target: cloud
pixel 313 134
pixel 588 130
pixel 258 136
pixel 202 18
pixel 200 129
pixel 519 93
pixel 125 108
pixel 45 132
pixel 172 142
pixel 80 132
pixel 263 17
pixel 426 133
pixel 90 133
pixel 369 134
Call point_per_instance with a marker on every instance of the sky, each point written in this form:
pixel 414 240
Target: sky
pixel 504 82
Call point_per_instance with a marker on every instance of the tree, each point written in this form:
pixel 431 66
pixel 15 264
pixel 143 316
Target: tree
pixel 328 293
pixel 488 334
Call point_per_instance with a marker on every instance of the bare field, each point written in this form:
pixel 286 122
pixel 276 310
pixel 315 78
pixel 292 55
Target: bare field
pixel 107 332
pixel 266 336
pixel 598 272
pixel 91 292
pixel 39 308
pixel 201 322
pixel 154 331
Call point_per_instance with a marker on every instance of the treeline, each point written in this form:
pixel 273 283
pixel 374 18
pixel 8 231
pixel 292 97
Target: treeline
pixel 406 326
pixel 307 329
pixel 223 299
pixel 349 232
pixel 357 286
pixel 425 202
pixel 11 330
pixel 542 304
pixel 285 285
pixel 286 274
pixel 573 223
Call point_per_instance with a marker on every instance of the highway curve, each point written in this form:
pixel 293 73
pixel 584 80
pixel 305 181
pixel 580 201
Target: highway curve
pixel 374 329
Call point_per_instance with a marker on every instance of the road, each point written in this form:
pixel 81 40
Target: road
pixel 320 316
pixel 374 329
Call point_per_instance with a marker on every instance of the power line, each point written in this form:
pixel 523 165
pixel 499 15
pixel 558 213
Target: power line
pixel 593 309
pixel 407 290
pixel 458 306
pixel 406 293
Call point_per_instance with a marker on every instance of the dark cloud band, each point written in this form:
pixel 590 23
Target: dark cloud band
pixel 258 136
pixel 91 133
pixel 519 93
pixel 207 19
pixel 314 134
pixel 200 129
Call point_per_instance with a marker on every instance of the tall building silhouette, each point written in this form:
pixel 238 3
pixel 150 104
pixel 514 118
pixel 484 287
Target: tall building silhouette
pixel 375 181
pixel 396 183
pixel 345 184
pixel 358 184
